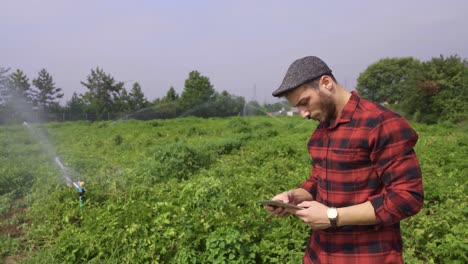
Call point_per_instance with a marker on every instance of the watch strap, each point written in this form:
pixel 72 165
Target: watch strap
pixel 333 220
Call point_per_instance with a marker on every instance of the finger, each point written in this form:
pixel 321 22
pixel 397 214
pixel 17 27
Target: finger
pixel 269 208
pixel 284 213
pixel 305 204
pixel 293 211
pixel 279 211
pixel 300 213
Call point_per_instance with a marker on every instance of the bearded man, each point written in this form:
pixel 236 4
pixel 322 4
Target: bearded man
pixel 365 176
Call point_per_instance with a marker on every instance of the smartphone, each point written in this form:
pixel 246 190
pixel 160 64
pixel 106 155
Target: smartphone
pixel 279 204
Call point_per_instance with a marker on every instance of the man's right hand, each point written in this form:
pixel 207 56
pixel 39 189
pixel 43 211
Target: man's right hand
pixel 294 196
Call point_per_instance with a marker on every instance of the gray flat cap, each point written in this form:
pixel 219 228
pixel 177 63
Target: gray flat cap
pixel 302 71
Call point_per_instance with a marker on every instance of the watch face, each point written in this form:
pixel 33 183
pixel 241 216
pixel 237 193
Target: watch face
pixel 332 213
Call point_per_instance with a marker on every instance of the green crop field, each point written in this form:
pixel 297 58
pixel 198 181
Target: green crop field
pixel 185 191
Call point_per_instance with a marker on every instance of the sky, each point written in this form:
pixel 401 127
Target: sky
pixel 244 46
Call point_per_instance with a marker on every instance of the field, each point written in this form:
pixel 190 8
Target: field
pixel 185 191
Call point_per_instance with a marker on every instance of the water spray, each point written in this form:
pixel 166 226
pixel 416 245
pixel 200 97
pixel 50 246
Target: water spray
pixel 26 125
pixel 79 185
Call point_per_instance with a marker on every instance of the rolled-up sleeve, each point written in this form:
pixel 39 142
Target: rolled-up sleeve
pixel 394 160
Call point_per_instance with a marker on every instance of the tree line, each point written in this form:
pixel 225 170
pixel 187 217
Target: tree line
pixel 106 98
pixel 425 91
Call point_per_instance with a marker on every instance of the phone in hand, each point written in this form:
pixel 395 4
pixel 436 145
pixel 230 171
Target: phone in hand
pixel 279 204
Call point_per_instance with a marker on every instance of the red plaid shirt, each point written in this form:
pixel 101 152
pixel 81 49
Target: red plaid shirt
pixel 366 155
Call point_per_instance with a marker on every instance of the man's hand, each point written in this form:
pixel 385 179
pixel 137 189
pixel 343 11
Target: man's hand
pixel 294 196
pixel 315 215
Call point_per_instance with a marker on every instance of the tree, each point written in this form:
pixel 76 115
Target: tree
pixel 103 92
pixel 75 106
pixel 16 97
pixel 168 106
pixel 4 93
pixel 45 93
pixel 171 96
pixel 122 102
pixel 227 105
pixel 197 95
pixel 276 107
pixel 441 93
pixel 253 108
pixel 136 98
pixel 387 79
pixel 18 85
pixel 432 91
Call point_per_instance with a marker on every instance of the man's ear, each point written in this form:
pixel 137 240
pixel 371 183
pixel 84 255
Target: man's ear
pixel 326 82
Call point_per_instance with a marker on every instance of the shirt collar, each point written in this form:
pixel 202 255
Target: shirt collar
pixel 348 111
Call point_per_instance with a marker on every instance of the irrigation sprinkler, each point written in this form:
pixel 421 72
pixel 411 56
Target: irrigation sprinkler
pixel 81 191
pixel 65 172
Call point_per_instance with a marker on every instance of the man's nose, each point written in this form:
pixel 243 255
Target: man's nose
pixel 305 114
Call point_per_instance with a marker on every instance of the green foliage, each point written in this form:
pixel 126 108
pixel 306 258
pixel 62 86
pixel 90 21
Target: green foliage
pixel 171 96
pixel 184 191
pixel 239 125
pixel 118 139
pixel 387 79
pixel 450 98
pixel 103 95
pixel 177 160
pixel 15 97
pixel 18 83
pixel 275 107
pixel 136 98
pixel 45 93
pixel 430 92
pixel 227 105
pixel 253 108
pixel 75 106
pixel 3 80
pixel 171 106
pixel 198 93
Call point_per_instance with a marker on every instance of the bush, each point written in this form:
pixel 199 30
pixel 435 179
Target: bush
pixel 176 160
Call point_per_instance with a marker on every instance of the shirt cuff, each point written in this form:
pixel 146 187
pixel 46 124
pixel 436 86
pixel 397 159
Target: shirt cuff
pixel 310 187
pixel 382 216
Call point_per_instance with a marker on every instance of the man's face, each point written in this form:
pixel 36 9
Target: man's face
pixel 318 104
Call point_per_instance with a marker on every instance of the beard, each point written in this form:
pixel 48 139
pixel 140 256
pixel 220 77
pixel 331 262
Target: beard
pixel 327 108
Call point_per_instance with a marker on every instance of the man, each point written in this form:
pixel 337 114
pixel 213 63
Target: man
pixel 365 176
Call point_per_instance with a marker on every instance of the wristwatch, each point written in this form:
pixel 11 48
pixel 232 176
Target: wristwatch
pixel 332 214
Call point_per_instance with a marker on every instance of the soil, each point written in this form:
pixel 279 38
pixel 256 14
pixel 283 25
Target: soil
pixel 12 230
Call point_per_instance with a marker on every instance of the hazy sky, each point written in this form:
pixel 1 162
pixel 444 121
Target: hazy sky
pixel 244 47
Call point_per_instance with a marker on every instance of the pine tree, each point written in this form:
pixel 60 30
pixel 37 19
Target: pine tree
pixel 136 98
pixel 45 93
pixel 171 96
pixel 17 100
pixel 103 93
pixel 4 94
pixel 18 85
